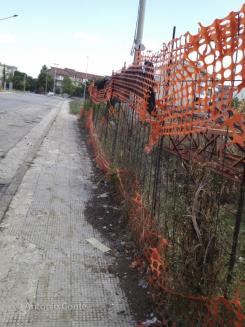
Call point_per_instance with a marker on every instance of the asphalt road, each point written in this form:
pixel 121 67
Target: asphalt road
pixel 19 113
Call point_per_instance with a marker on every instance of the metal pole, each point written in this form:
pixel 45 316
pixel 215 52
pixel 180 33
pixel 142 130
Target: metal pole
pixel 140 23
pixel 84 90
pixel 139 29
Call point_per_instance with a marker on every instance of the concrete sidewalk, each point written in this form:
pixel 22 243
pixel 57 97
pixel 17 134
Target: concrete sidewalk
pixel 49 275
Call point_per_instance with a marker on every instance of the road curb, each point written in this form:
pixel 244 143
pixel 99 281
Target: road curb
pixel 11 189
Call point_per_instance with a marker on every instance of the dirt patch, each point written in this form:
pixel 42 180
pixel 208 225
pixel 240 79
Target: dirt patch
pixel 105 212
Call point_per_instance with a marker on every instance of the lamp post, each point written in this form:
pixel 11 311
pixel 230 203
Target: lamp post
pixel 86 75
pixel 55 75
pixel 138 46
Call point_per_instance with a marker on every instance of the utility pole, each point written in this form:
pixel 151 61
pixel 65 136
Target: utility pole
pixel 138 46
pixel 84 90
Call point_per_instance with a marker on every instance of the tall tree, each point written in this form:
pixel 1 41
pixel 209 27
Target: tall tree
pixel 18 81
pixel 45 81
pixel 235 102
pixel 10 78
pixel 78 92
pixel 68 86
pixel 31 84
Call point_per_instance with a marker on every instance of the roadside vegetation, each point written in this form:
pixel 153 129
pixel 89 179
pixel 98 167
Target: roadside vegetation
pixel 43 84
pixel 75 106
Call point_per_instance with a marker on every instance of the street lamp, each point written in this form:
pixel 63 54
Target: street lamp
pixel 55 75
pixel 9 17
pixel 84 90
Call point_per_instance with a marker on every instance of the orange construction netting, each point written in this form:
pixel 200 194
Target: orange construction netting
pixel 219 310
pixel 188 86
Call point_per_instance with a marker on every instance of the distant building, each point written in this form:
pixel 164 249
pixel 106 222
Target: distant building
pixel 77 77
pixel 9 71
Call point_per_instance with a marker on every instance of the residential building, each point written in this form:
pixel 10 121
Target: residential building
pixel 9 71
pixel 77 77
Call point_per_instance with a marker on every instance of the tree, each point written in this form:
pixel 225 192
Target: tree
pixel 78 92
pixel 87 83
pixel 68 86
pixel 4 74
pixel 31 84
pixel 10 78
pixel 18 81
pixel 235 103
pixel 45 81
pixel 241 107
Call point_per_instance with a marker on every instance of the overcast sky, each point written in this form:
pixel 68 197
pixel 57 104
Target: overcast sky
pixel 66 32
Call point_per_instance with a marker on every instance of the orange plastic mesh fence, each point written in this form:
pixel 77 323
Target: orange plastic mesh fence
pixel 100 157
pixel 219 309
pixel 185 88
pixel 193 80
